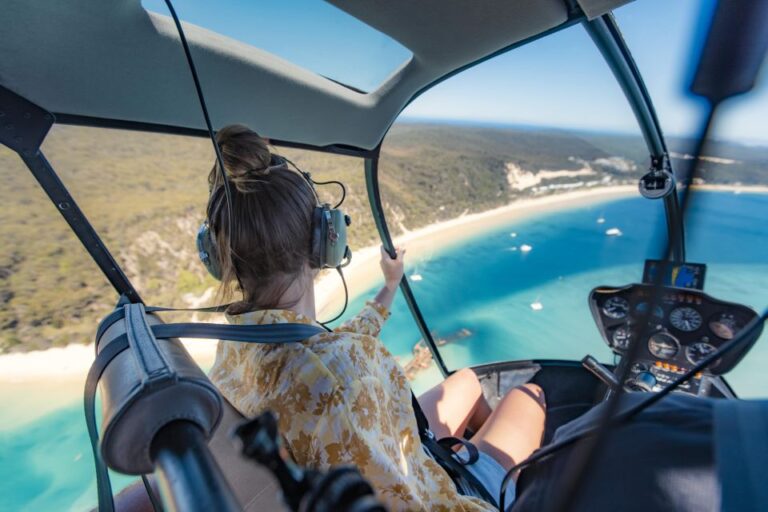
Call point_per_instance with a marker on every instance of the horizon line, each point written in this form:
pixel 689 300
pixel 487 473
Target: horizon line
pixel 603 131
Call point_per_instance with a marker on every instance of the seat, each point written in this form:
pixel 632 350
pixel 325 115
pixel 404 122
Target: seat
pixel 254 486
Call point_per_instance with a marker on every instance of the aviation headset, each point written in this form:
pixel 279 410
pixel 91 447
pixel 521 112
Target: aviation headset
pixel 328 248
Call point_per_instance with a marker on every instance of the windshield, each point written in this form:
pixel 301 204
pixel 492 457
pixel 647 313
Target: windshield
pixel 530 163
pixel 512 185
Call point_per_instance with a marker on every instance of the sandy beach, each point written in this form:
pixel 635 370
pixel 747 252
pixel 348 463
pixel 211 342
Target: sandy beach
pixel 363 272
pixel 64 367
pixel 60 370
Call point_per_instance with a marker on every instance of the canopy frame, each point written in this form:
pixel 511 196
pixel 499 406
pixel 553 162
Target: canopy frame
pixel 607 38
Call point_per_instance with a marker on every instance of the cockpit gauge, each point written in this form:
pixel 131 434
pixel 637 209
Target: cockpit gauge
pixel 663 345
pixel 642 308
pixel 685 319
pixel 698 351
pixel 724 326
pixel 621 337
pixel 616 307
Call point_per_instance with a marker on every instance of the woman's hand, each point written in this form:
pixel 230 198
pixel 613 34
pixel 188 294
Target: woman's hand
pixel 393 273
pixel 392 268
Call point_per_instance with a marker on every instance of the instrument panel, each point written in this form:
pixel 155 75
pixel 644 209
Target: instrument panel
pixel 685 326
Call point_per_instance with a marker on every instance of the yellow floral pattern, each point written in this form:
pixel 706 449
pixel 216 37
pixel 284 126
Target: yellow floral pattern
pixel 340 398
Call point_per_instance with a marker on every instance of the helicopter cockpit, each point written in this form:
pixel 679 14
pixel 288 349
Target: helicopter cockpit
pixel 120 65
pixel 680 338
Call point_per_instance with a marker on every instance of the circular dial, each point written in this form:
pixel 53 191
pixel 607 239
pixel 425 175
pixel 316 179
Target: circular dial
pixel 621 337
pixel 616 307
pixel 663 345
pixel 685 319
pixel 642 308
pixel 698 351
pixel 724 326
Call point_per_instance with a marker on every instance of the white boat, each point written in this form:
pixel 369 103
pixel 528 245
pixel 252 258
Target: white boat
pixel 613 232
pixel 416 277
pixel 526 248
pixel 537 305
pixel 601 220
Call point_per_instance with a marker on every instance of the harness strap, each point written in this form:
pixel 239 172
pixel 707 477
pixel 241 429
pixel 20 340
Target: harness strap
pixel 449 442
pixel 448 459
pixel 190 330
pixel 103 485
pixel 267 334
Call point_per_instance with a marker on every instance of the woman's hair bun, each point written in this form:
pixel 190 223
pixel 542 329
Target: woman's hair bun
pixel 246 158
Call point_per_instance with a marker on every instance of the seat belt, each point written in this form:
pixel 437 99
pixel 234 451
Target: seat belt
pixel 265 334
pixel 442 452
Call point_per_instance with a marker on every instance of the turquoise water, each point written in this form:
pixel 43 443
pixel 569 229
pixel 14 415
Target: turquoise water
pixel 487 287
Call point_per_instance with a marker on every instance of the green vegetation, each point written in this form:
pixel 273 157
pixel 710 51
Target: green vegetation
pixel 145 194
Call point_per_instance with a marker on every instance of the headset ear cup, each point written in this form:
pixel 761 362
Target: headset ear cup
pixel 317 247
pixel 206 250
pixel 335 238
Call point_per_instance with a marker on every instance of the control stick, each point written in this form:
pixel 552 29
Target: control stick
pixel 600 371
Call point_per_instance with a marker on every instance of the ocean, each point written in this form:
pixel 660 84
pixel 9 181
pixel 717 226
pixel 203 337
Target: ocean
pixel 485 285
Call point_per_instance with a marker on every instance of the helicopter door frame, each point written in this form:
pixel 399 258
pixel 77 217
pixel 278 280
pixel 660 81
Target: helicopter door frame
pixel 27 128
pixel 377 211
pixel 606 35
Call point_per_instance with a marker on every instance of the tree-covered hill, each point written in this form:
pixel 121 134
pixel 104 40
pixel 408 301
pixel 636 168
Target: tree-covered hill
pixel 146 194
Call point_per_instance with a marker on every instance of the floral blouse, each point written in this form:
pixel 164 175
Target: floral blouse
pixel 340 398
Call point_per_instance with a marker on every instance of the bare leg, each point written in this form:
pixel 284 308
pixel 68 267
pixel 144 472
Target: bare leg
pixel 134 497
pixel 455 403
pixel 515 428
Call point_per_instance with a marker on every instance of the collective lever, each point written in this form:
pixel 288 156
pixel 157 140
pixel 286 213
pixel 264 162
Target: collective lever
pixel 600 371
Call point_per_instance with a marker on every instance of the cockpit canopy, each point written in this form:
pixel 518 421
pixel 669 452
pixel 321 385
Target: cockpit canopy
pixel 118 61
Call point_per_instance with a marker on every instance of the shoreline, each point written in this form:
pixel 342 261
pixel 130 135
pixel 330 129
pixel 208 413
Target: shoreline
pixel 363 273
pixel 67 366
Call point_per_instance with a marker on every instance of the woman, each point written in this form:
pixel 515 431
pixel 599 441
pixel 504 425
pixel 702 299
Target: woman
pixel 340 397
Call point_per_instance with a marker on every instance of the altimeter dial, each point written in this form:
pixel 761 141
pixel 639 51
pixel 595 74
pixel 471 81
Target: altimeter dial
pixel 685 319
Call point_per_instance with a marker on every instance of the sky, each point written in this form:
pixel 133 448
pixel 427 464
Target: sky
pixel 560 81
pixel 563 81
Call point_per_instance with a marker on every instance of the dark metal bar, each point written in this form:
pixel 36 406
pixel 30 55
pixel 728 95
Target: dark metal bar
pixel 118 124
pixel 190 479
pixel 45 175
pixel 607 37
pixel 377 210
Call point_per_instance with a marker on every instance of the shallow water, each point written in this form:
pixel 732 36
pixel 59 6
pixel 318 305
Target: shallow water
pixel 488 287
pixel 483 285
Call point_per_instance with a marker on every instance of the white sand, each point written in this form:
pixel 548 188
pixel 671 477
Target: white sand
pixel 422 243
pixel 58 369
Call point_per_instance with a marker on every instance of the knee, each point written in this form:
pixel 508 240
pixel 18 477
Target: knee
pixel 535 392
pixel 468 382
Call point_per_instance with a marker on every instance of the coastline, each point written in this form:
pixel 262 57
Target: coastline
pixel 59 372
pixel 363 273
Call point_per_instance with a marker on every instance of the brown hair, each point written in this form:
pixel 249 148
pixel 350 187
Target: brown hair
pixel 268 246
